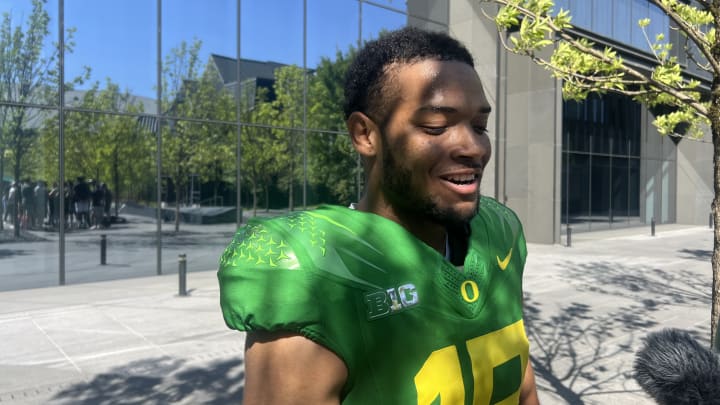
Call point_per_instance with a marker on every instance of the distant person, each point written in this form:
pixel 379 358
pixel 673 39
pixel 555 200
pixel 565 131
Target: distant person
pixel 83 199
pixel 69 200
pixel 54 204
pixel 98 204
pixel 41 201
pixel 107 200
pixel 11 212
pixel 414 294
pixel 27 193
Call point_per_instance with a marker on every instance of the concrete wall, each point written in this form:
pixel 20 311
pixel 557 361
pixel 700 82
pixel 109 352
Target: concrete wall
pixel 658 174
pixel 524 127
pixel 694 181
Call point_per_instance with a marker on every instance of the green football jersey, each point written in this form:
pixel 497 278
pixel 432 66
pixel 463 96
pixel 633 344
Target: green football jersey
pixel 411 327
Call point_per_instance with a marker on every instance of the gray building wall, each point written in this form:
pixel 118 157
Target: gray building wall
pixel 694 181
pixel 526 103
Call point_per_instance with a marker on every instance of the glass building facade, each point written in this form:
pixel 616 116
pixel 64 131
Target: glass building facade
pixel 618 19
pixel 601 163
pixel 195 116
pixel 602 160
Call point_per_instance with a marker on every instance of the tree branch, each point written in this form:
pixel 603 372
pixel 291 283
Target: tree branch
pixel 694 34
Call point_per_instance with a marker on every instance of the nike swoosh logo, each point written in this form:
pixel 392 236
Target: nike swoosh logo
pixel 504 263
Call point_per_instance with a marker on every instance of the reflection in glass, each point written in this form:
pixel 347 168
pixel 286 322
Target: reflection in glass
pixel 192 35
pixel 376 20
pixel 578 189
pixel 599 190
pixel 129 59
pixel 28 30
pixel 620 190
pixel 328 37
pixel 112 126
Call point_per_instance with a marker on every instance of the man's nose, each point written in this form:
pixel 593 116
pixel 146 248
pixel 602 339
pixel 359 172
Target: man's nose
pixel 470 144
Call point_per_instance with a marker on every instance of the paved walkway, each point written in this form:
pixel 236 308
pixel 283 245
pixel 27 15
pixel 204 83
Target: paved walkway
pixel 135 341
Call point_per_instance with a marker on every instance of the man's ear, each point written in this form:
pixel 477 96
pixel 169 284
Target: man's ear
pixel 364 134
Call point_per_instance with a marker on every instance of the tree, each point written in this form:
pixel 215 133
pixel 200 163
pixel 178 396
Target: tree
pixel 99 144
pixel 334 161
pixel 261 147
pixel 192 143
pixel 27 76
pixel 535 28
pixel 288 105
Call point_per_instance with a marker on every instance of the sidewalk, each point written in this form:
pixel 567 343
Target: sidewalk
pixel 130 341
pixel 135 341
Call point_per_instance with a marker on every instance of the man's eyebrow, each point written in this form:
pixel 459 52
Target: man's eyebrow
pixel 437 109
pixel 448 110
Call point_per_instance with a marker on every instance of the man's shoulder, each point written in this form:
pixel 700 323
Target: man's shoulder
pixel 283 241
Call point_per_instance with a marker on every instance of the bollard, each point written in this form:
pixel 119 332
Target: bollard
pixel 182 271
pixel 568 236
pixel 652 226
pixel 103 249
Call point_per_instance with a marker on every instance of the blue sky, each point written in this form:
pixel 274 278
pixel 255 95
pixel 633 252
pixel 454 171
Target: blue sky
pixel 117 39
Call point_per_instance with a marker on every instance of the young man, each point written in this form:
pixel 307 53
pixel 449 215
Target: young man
pixel 415 295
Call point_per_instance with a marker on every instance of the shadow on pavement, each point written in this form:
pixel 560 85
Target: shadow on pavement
pixel 698 254
pixel 576 347
pixel 5 253
pixel 160 381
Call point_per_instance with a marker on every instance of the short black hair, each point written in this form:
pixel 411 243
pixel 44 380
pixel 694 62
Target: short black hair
pixel 365 78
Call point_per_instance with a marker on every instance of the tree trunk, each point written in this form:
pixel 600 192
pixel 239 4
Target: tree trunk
pixel 2 187
pixel 291 202
pixel 267 197
pixel 714 117
pixel 116 181
pixel 255 197
pixel 179 187
pixel 18 199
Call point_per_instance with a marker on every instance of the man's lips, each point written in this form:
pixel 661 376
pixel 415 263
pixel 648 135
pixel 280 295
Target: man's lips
pixel 462 183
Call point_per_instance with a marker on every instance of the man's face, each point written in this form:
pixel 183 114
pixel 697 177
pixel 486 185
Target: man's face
pixel 435 144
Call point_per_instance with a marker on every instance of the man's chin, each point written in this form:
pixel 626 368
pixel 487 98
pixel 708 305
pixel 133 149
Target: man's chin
pixel 459 214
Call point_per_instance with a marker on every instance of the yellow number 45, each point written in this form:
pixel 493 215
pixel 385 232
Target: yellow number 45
pixel 441 374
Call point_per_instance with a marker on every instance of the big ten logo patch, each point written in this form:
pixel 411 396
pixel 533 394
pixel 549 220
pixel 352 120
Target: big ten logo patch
pixel 390 301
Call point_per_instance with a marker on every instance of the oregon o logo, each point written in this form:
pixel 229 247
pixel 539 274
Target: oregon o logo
pixel 472 295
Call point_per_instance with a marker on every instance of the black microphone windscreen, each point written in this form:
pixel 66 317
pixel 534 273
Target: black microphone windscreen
pixel 673 368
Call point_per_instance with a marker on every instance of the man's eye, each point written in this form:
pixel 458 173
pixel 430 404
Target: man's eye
pixel 480 129
pixel 434 130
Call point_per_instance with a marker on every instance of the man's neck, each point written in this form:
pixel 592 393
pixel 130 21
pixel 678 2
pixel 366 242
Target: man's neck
pixel 433 234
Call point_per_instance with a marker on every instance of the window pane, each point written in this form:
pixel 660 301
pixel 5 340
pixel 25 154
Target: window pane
pixel 602 17
pixel 376 20
pixel 620 189
pixel 634 190
pixel 639 11
pixel 333 169
pixel 431 15
pixel 330 46
pixel 198 192
pixel 600 191
pixel 623 23
pixel 578 189
pixel 115 55
pixel 581 11
pixel 30 88
pixel 659 23
pixel 109 183
pixel 397 5
pixel 271 38
pixel 28 172
pixel 197 41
